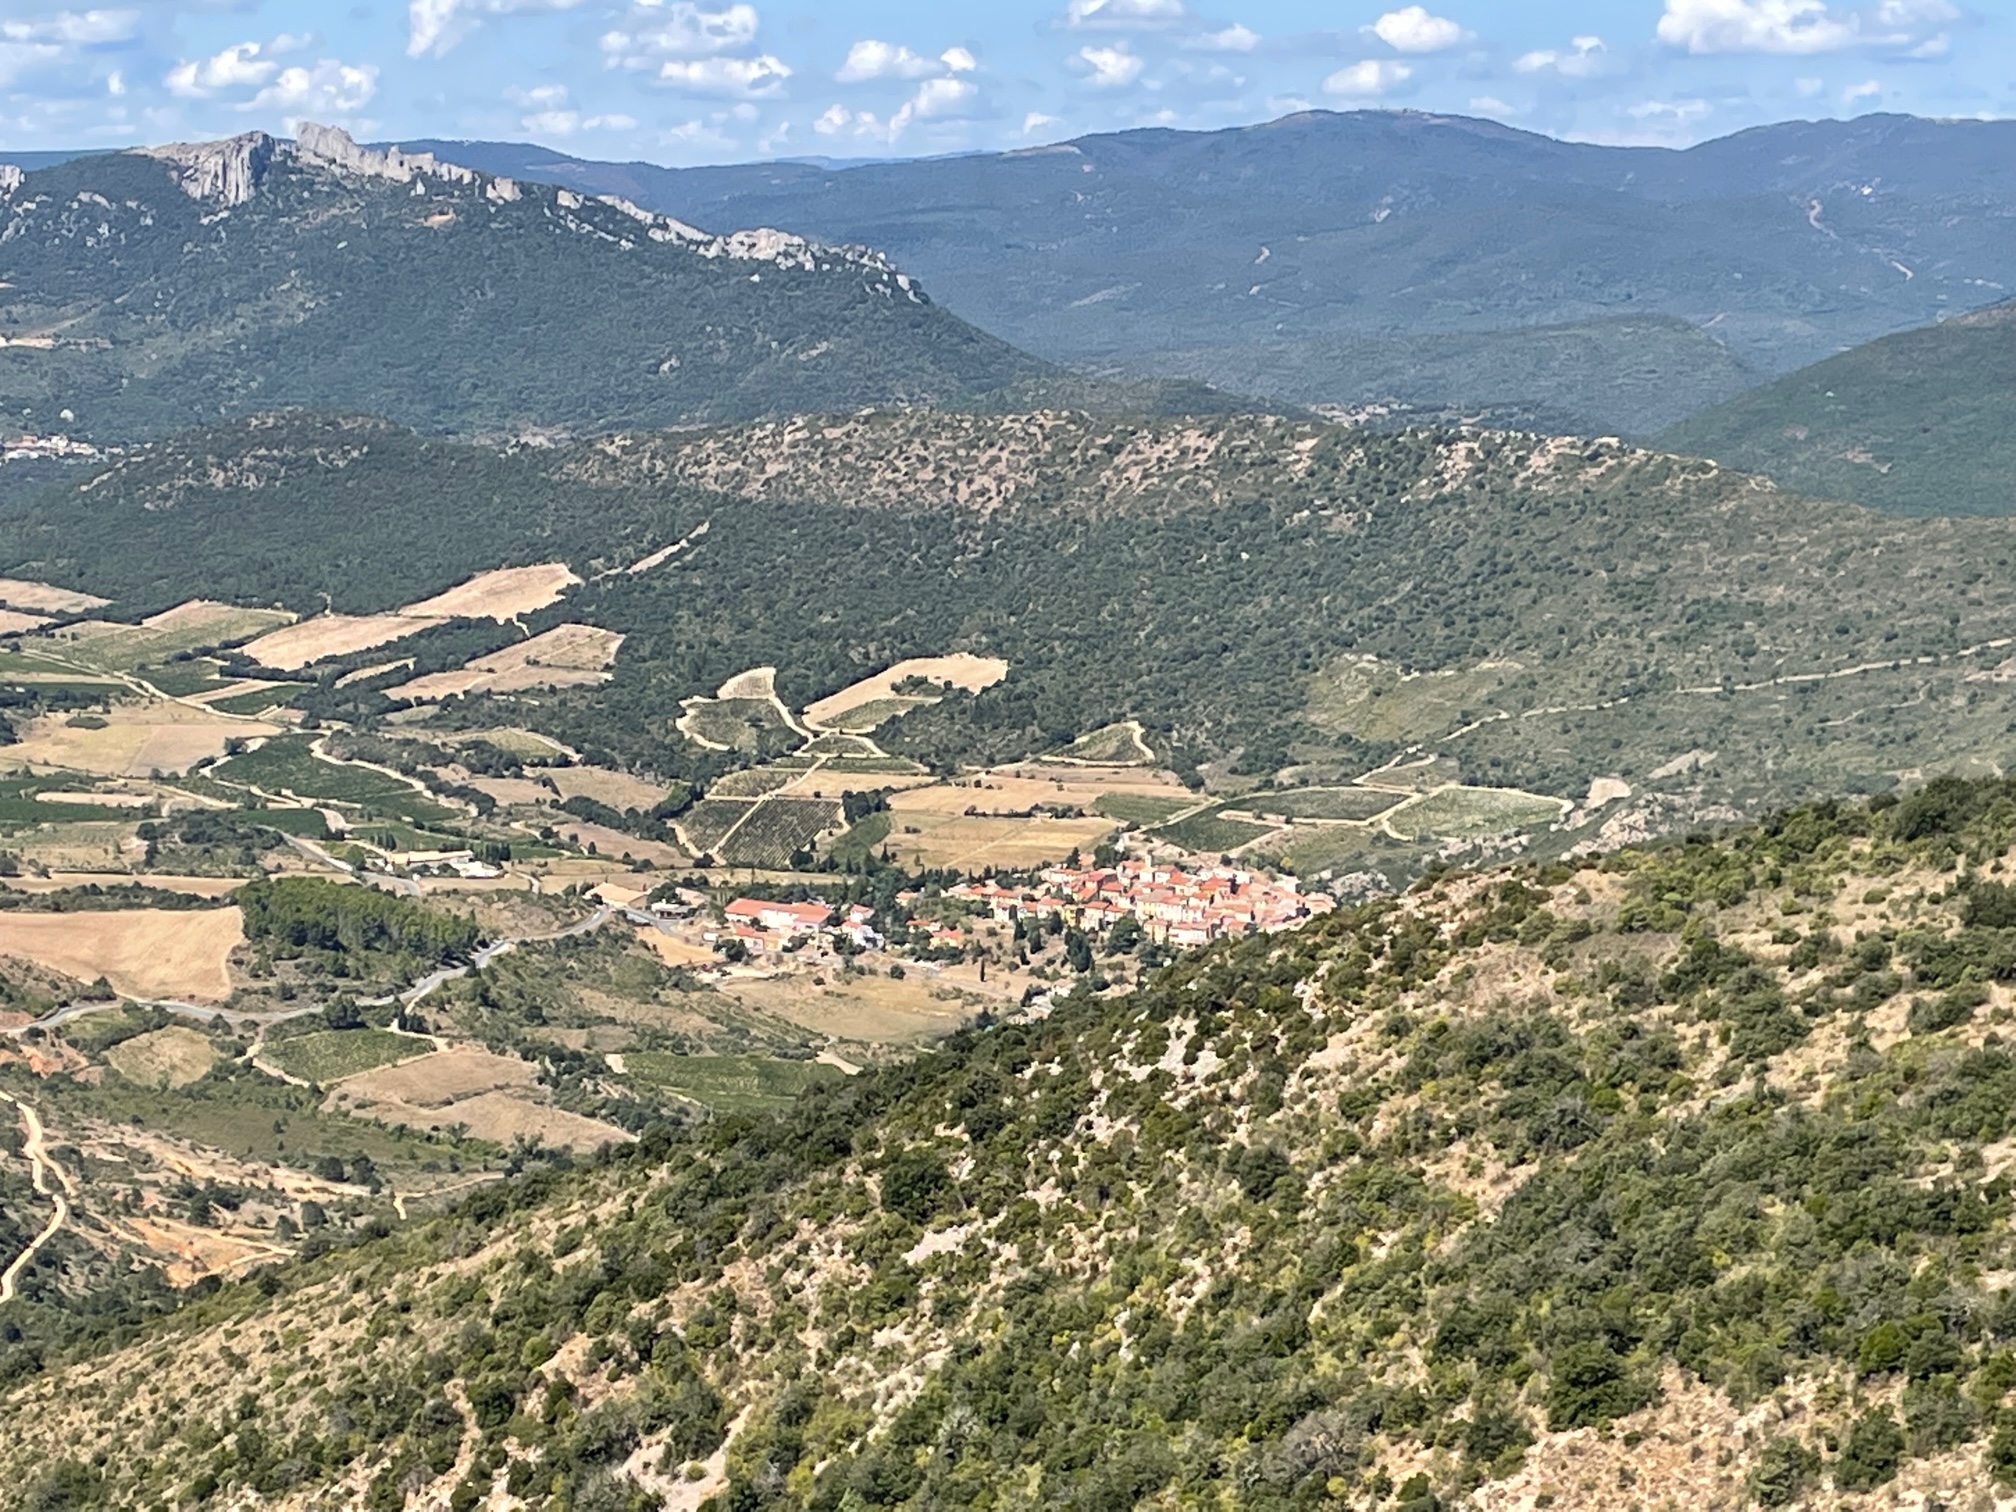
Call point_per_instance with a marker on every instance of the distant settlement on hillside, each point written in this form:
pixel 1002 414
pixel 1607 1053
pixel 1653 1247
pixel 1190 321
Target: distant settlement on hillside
pixel 1172 904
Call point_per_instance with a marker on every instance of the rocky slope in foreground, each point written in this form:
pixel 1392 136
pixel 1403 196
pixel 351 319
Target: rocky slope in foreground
pixel 1678 1178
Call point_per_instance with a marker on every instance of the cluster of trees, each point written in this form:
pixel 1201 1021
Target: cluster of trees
pixel 297 915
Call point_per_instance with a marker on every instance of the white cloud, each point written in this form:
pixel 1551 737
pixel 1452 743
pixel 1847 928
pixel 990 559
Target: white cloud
pixel 550 113
pixel 1808 88
pixel 58 40
pixel 436 26
pixel 1112 67
pixel 1582 58
pixel 678 31
pixel 1491 105
pixel 239 66
pixel 329 88
pixel 1413 30
pixel 1125 15
pixel 737 78
pixel 1869 89
pixel 1367 80
pixel 869 59
pixel 934 99
pixel 1234 38
pixel 92 28
pixel 1798 27
pixel 1035 121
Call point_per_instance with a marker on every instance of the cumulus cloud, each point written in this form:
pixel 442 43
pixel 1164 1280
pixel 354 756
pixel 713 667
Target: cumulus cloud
pixel 1035 121
pixel 328 88
pixel 734 78
pixel 934 99
pixel 1367 80
pixel 239 66
pixel 869 59
pixel 1111 67
pixel 434 27
pixel 1491 105
pixel 1869 89
pixel 1579 60
pixel 1125 15
pixel 679 31
pixel 1798 26
pixel 1234 38
pixel 1413 30
pixel 251 72
pixel 550 112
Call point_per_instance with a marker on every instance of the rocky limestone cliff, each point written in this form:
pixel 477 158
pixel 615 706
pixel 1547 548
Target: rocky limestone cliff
pixel 10 179
pixel 228 172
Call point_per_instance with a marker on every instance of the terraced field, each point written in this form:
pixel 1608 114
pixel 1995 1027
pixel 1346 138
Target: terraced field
pixel 332 1054
pixel 728 1083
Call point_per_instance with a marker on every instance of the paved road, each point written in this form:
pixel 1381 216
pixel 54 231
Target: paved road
pixel 50 1181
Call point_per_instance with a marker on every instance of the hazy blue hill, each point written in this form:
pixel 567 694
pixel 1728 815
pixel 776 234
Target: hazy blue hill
pixel 1144 249
pixel 1919 423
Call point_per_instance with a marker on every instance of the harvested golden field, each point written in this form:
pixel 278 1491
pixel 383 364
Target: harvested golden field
pixel 14 621
pixel 871 1009
pixel 434 1081
pixel 617 789
pixel 567 656
pixel 1026 784
pixel 972 842
pixel 510 791
pixel 58 881
pixel 674 951
pixel 95 800
pixel 972 673
pixel 21 593
pixel 502 594
pixel 313 640
pixel 171 1057
pixel 136 739
pixel 142 952
pixel 613 842
pixel 493 1096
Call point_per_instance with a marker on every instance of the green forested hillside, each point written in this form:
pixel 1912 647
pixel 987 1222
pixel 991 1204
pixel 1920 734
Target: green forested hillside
pixel 1702 1148
pixel 444 300
pixel 1282 596
pixel 1922 423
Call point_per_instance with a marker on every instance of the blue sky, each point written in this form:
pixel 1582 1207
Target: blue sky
pixel 674 81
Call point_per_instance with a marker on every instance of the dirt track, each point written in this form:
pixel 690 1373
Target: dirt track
pixel 34 1146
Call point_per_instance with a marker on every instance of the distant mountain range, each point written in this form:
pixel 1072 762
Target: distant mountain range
pixel 1340 259
pixel 148 290
pixel 1923 422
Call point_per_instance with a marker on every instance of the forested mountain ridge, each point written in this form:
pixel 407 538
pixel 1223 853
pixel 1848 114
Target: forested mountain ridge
pixel 1919 423
pixel 1545 613
pixel 1675 1174
pixel 1340 258
pixel 151 290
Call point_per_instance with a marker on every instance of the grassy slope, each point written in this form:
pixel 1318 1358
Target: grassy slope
pixel 1654 1142
pixel 1922 423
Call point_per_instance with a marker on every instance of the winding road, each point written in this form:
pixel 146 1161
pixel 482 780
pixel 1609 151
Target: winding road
pixel 50 1181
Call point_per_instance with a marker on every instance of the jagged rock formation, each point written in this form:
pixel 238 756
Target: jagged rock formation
pixel 227 171
pixel 10 179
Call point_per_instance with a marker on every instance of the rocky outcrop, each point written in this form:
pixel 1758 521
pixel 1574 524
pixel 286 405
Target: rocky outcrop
pixel 332 147
pixel 228 172
pixel 10 179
